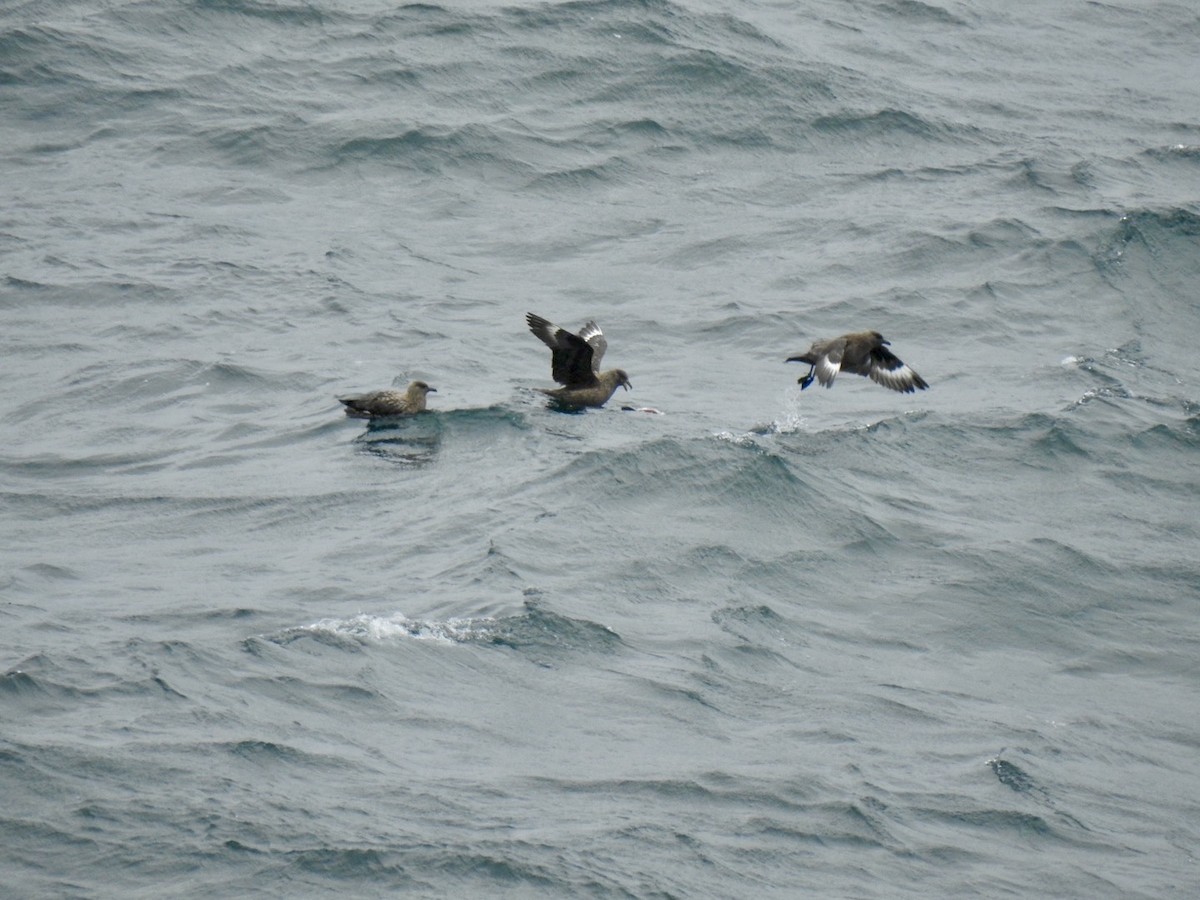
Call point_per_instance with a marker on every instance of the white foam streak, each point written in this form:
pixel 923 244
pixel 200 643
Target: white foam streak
pixel 369 627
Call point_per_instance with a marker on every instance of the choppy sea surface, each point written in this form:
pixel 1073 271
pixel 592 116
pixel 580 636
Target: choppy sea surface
pixel 767 643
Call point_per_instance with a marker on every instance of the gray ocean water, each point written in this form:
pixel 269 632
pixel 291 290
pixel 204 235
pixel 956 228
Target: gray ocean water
pixel 769 643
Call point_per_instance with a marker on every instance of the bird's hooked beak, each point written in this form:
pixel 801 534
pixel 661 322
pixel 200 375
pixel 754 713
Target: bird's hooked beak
pixel 430 390
pixel 886 343
pixel 625 384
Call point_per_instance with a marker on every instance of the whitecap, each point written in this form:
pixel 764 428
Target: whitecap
pixel 376 628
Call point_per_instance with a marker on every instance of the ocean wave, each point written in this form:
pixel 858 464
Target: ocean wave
pixel 297 14
pixel 1156 230
pixel 535 631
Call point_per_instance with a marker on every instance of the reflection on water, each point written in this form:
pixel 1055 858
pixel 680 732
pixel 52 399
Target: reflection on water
pixel 407 441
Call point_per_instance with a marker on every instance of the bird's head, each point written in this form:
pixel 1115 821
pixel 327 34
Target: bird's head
pixel 424 388
pixel 623 379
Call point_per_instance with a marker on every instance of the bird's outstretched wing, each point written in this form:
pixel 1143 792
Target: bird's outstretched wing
pixel 890 371
pixel 829 362
pixel 573 356
pixel 591 333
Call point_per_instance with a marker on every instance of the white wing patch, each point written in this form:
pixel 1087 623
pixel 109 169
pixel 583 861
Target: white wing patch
pixel 589 331
pixel 594 337
pixel 900 379
pixel 827 370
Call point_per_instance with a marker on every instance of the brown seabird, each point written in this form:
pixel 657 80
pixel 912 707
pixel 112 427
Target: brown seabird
pixel 575 363
pixel 863 353
pixel 379 404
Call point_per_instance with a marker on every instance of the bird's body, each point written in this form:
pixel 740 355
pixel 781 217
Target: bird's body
pixel 575 362
pixel 383 404
pixel 863 353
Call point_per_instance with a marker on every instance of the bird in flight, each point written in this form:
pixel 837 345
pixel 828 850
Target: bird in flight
pixel 863 353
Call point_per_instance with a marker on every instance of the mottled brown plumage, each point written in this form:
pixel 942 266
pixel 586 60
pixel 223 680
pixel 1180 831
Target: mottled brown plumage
pixel 575 362
pixel 380 404
pixel 863 353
